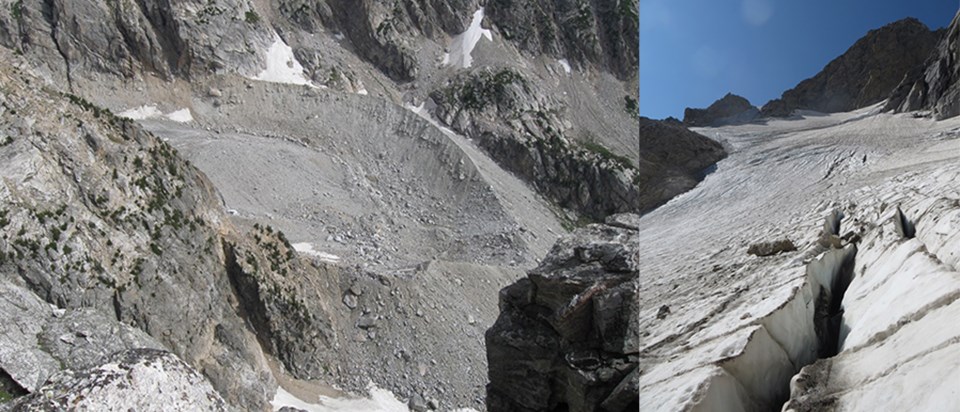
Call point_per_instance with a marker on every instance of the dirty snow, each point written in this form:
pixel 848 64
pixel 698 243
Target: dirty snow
pixel 463 44
pixel 377 400
pixel 180 116
pixel 282 65
pixel 141 113
pixel 151 112
pixel 307 249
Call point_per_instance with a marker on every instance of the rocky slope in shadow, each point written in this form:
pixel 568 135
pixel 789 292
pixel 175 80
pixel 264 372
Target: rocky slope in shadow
pixel 568 334
pixel 863 75
pixel 935 85
pixel 673 160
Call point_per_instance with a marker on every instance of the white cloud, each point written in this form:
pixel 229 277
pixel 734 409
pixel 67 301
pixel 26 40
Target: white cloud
pixel 756 12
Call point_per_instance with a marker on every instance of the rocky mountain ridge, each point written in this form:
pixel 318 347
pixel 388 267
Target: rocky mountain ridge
pixel 935 85
pixel 863 75
pixel 728 109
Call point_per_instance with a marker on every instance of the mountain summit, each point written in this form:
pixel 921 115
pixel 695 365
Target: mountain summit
pixel 863 75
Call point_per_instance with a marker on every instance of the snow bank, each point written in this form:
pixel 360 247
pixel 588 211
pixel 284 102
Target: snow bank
pixel 566 65
pixel 141 113
pixel 462 45
pixel 151 112
pixel 282 65
pixel 377 400
pixel 180 116
pixel 307 249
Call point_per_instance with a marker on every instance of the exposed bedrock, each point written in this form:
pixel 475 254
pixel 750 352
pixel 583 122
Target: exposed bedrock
pixel 567 336
pixel 522 129
pixel 138 379
pixel 935 85
pixel 603 33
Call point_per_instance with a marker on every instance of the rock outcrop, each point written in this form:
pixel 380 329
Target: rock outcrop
pixel 385 34
pixel 137 379
pixel 672 160
pixel 568 334
pixel 520 128
pixel 584 31
pixel 729 109
pixel 98 215
pixel 85 38
pixel 863 75
pixel 935 86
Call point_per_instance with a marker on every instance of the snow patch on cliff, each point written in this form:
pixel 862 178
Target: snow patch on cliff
pixel 461 48
pixel 282 65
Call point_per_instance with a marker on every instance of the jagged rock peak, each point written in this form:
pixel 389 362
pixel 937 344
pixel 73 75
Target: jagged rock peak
pixel 729 109
pixel 863 75
pixel 574 315
pixel 935 86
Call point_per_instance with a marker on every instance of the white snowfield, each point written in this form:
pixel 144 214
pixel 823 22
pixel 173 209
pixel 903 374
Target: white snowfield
pixel 282 65
pixel 736 332
pixel 461 48
pixel 151 112
pixel 376 400
pixel 308 249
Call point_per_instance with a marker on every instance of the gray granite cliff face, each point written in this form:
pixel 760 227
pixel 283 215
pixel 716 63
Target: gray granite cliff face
pixel 935 85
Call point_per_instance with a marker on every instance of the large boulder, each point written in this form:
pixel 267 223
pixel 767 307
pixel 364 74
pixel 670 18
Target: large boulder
pixel 863 75
pixel 729 109
pixel 935 86
pixel 568 334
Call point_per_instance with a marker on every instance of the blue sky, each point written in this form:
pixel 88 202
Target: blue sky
pixel 694 52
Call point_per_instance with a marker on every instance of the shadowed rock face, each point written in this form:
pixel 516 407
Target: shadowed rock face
pixel 935 86
pixel 863 75
pixel 672 161
pixel 729 109
pixel 568 334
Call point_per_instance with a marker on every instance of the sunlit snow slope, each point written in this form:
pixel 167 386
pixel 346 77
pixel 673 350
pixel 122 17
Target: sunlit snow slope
pixel 724 330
